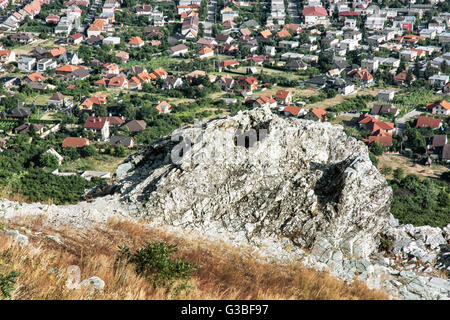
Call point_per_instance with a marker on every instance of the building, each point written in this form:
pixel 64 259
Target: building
pixel 75 142
pixel 26 64
pixel 442 107
pixel 283 97
pixel 428 122
pixel 100 126
pixel 386 95
pixel 179 50
pixel 315 15
pixel 45 64
pixel 438 81
pixel 58 100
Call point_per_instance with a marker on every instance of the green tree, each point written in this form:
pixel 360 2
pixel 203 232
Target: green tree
pixel 377 148
pixel 399 173
pixel 88 151
pixel 119 151
pixel 48 160
pixel 71 153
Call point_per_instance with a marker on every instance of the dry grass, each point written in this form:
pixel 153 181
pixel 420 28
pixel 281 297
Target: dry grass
pixel 398 161
pixel 224 272
pixel 327 103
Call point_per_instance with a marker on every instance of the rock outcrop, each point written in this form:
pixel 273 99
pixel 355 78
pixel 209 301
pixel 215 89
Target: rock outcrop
pixel 263 176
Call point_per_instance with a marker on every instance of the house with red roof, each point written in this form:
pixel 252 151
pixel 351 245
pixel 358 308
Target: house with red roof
pixel 361 75
pixel 266 34
pixel 134 83
pixel 231 63
pixel 159 73
pixel 316 114
pixel 373 124
pixel 442 107
pixel 7 56
pixel 52 19
pixel 401 77
pixel 383 138
pixel 118 82
pixel 293 111
pixel 315 15
pixel 100 126
pixel 135 42
pixel 163 107
pixel 283 34
pixel 205 52
pixel 97 99
pixel 265 100
pixel 75 142
pixel 428 122
pixel 77 38
pixel 283 97
pixel 248 84
pixel 110 69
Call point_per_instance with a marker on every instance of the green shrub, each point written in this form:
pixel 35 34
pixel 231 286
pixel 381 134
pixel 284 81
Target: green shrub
pixel 386 170
pixel 7 282
pixel 155 262
pixel 88 151
pixel 48 160
pixel 420 202
pixel 386 243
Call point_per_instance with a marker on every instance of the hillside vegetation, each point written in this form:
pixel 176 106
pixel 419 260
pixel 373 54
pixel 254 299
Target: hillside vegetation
pixel 222 271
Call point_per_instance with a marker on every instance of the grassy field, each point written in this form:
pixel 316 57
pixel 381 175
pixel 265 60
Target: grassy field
pixel 398 161
pixel 102 162
pixel 327 103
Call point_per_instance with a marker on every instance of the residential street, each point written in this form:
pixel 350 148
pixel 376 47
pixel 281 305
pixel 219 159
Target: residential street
pixel 401 122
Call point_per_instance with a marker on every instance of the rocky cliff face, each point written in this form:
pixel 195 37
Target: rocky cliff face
pixel 283 185
pixel 262 176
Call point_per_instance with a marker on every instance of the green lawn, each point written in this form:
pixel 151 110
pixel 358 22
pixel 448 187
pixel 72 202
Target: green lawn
pixel 101 162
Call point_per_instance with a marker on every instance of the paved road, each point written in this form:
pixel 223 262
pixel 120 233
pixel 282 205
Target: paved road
pixel 401 122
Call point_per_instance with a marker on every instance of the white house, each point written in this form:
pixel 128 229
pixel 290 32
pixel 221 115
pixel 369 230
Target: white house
pixel 26 64
pixel 438 81
pixel 111 40
pixel 349 44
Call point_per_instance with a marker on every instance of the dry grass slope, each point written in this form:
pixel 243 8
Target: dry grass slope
pixel 224 272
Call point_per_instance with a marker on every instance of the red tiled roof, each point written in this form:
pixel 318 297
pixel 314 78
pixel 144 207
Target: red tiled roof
pixel 94 123
pixel 349 13
pixel 444 104
pixel 294 110
pixel 428 122
pixel 319 113
pixel 315 11
pixel 282 94
pixel 384 140
pixel 75 142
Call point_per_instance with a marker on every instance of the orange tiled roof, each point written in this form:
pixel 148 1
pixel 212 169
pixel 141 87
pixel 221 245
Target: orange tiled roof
pixel 55 52
pixel 135 41
pixel 67 68
pixel 36 77
pixel 205 50
pixel 283 34
pixel 266 34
